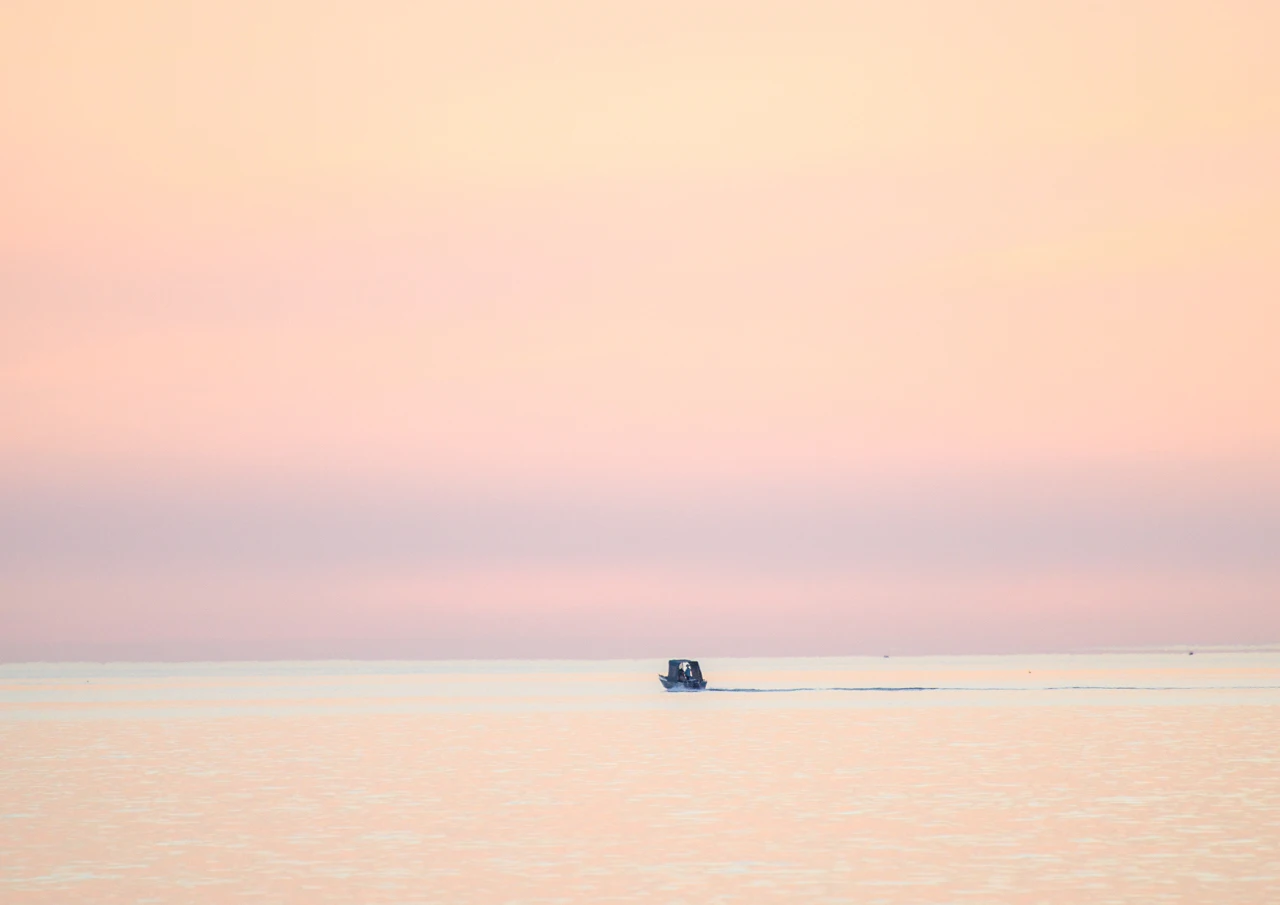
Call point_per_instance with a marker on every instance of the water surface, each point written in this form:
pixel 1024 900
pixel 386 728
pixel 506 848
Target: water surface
pixel 1102 778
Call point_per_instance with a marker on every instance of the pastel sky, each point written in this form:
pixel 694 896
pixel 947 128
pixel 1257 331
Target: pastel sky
pixel 539 329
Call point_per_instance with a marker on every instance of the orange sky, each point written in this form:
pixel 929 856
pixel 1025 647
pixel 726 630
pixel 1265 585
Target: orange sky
pixel 584 250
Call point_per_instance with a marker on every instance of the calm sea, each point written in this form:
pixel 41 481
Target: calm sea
pixel 1146 778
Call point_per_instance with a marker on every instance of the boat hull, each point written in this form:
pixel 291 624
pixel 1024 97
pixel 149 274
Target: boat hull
pixel 688 685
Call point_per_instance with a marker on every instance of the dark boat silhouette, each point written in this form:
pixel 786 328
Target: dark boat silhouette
pixel 683 675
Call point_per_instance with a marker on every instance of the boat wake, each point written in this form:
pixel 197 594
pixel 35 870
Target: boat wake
pixel 792 690
pixel 876 688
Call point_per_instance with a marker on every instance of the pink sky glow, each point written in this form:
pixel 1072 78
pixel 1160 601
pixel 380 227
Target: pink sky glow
pixel 508 329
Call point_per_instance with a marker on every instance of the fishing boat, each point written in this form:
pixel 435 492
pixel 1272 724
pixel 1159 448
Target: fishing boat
pixel 683 675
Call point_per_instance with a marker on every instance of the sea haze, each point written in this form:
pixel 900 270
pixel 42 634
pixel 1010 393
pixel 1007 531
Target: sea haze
pixel 1111 777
